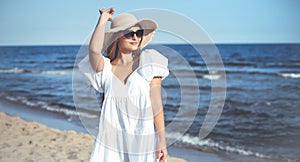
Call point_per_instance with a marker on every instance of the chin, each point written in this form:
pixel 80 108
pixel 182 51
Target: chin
pixel 136 48
pixel 133 48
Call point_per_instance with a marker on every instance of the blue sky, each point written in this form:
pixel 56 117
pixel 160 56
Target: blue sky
pixel 54 22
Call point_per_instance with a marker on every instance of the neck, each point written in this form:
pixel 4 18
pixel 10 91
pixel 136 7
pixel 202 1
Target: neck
pixel 124 58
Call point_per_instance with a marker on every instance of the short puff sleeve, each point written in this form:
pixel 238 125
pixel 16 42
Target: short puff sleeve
pixel 152 64
pixel 95 79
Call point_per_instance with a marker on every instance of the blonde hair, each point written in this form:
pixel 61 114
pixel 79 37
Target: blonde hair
pixel 112 50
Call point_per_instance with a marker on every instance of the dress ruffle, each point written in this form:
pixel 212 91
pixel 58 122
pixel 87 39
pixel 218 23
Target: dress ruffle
pixel 153 64
pixel 96 80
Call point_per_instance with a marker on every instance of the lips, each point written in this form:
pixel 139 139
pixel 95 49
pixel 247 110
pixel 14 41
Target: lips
pixel 134 43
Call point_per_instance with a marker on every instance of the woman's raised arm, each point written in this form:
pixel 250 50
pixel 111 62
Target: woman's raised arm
pixel 97 40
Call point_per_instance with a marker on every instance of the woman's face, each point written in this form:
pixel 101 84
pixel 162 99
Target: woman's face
pixel 130 39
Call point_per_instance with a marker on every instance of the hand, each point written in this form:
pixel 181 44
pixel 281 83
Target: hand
pixel 107 13
pixel 162 153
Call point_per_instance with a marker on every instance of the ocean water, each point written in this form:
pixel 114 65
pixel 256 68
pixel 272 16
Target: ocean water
pixel 261 113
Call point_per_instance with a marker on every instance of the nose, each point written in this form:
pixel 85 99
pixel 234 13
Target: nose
pixel 134 36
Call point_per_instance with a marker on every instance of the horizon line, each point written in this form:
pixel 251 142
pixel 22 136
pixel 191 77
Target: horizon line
pixel 221 43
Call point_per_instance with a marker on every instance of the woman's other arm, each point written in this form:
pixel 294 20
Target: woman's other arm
pixel 156 102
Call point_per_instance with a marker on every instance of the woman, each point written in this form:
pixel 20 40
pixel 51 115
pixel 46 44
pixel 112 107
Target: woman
pixel 131 126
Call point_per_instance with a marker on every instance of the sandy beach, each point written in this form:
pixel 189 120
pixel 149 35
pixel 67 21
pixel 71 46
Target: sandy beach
pixel 32 141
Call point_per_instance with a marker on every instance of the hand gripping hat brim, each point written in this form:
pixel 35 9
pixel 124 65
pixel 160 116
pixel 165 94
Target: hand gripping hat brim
pixel 125 21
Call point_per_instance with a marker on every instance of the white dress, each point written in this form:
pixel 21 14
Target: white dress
pixel 126 126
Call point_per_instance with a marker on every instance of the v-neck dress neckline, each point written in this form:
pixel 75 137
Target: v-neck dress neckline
pixel 124 83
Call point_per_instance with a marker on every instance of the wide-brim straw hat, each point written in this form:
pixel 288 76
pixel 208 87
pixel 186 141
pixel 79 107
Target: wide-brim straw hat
pixel 125 21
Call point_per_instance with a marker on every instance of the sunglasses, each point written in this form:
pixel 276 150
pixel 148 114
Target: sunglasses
pixel 130 34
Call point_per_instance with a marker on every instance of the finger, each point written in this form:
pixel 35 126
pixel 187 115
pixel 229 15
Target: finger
pixel 111 10
pixel 101 10
pixel 164 156
pixel 162 159
pixel 158 154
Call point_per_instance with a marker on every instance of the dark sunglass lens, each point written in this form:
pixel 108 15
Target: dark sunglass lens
pixel 129 34
pixel 139 33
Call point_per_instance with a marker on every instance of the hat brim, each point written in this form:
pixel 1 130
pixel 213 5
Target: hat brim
pixel 149 26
